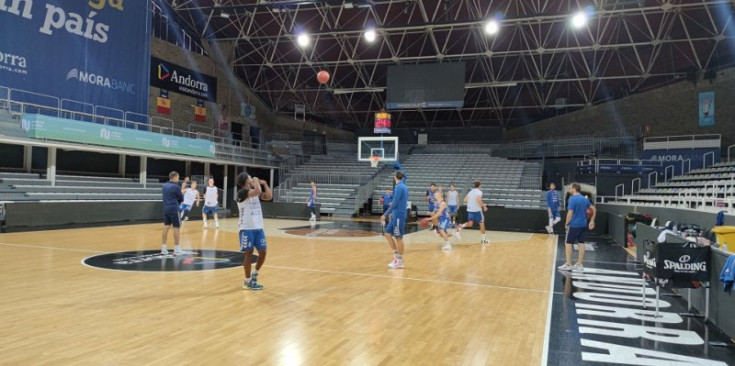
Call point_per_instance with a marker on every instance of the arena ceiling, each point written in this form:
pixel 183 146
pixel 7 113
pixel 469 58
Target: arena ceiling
pixel 536 66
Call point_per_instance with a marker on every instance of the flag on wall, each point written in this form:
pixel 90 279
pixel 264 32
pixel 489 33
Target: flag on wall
pixel 163 104
pixel 200 113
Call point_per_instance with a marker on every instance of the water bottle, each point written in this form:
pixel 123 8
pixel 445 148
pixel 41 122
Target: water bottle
pixel 724 248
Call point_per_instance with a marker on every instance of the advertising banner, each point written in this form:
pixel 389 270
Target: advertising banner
pixel 178 79
pixel 93 52
pixel 61 129
pixel 675 266
pixel 706 108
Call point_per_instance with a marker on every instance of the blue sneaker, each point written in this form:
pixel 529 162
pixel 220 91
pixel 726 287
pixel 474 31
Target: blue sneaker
pixel 252 285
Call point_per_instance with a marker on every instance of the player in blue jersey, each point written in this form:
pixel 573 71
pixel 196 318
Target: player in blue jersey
pixel 577 226
pixel 386 199
pixel 396 227
pixel 552 200
pixel 432 203
pixel 441 215
pixel 311 201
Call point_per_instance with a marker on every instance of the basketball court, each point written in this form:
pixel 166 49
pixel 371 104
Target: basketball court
pixel 562 168
pixel 328 299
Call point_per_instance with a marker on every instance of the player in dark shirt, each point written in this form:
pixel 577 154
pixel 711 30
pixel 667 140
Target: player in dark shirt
pixel 172 198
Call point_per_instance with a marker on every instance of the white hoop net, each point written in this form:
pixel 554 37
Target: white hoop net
pixel 374 160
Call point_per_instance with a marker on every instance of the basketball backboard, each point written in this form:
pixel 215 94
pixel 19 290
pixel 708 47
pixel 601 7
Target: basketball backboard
pixel 385 147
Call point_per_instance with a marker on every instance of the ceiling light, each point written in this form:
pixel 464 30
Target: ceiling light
pixel 579 20
pixel 225 15
pixel 303 40
pixel 492 27
pixel 370 35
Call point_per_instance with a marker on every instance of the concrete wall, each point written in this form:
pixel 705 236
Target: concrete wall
pixel 669 110
pixel 230 93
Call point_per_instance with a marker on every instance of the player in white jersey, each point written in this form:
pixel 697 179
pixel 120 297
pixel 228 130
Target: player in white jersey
pixel 250 192
pixel 475 207
pixel 191 197
pixel 211 201
pixel 452 202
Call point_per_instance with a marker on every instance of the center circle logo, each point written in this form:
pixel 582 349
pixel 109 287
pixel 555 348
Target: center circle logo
pixel 154 261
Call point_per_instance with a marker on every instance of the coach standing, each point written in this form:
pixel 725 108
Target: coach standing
pixel 172 198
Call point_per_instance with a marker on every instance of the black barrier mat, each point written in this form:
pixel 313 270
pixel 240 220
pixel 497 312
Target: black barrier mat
pixel 597 318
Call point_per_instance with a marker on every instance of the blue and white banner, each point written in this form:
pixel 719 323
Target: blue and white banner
pixel 699 157
pixel 707 108
pixel 94 52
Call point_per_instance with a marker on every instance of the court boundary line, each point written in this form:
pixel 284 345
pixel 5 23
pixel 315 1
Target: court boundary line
pixel 405 278
pixel 547 335
pixel 55 248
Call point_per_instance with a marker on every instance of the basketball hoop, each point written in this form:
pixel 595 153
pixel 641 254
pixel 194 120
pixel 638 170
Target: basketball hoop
pixel 374 160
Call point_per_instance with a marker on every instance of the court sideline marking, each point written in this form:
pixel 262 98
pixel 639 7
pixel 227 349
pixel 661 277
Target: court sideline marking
pixel 54 248
pixel 323 271
pixel 545 354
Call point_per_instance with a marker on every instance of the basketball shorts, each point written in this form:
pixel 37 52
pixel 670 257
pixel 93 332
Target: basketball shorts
pixel 385 208
pixel 452 209
pixel 476 217
pixel 432 207
pixel 185 207
pixel 576 235
pixel 444 224
pixel 396 226
pixel 554 213
pixel 209 210
pixel 171 218
pixel 250 239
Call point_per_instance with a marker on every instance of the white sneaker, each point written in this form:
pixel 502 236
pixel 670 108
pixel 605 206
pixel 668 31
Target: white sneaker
pixel 456 235
pixel 566 267
pixel 484 241
pixel 205 224
pixel 431 226
pixel 164 251
pixel 447 246
pixel 578 268
pixel 178 251
pixel 397 264
pixel 216 225
pixel 549 229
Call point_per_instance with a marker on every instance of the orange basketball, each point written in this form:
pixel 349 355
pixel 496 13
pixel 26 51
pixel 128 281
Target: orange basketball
pixel 424 222
pixel 322 77
pixel 589 214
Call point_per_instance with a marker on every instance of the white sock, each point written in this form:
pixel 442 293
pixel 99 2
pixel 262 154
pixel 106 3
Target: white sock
pixel 216 221
pixel 448 243
pixel 551 222
pixel 163 247
pixel 247 279
pixel 556 221
pixel 483 237
pixel 177 247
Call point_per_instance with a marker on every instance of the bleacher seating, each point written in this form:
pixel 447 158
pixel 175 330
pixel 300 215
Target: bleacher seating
pixel 33 187
pixel 710 189
pixel 338 178
pixel 502 179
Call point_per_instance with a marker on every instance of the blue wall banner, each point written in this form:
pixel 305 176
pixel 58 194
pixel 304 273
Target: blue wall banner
pixel 706 108
pixel 94 52
pixel 60 129
pixel 178 79
pixel 676 156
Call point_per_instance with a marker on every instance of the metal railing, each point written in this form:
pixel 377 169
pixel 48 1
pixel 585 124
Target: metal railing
pixel 223 151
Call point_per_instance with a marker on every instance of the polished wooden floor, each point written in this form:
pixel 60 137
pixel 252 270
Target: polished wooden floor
pixel 327 301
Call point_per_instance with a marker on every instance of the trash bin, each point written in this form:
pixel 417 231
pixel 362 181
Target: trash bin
pixel 725 235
